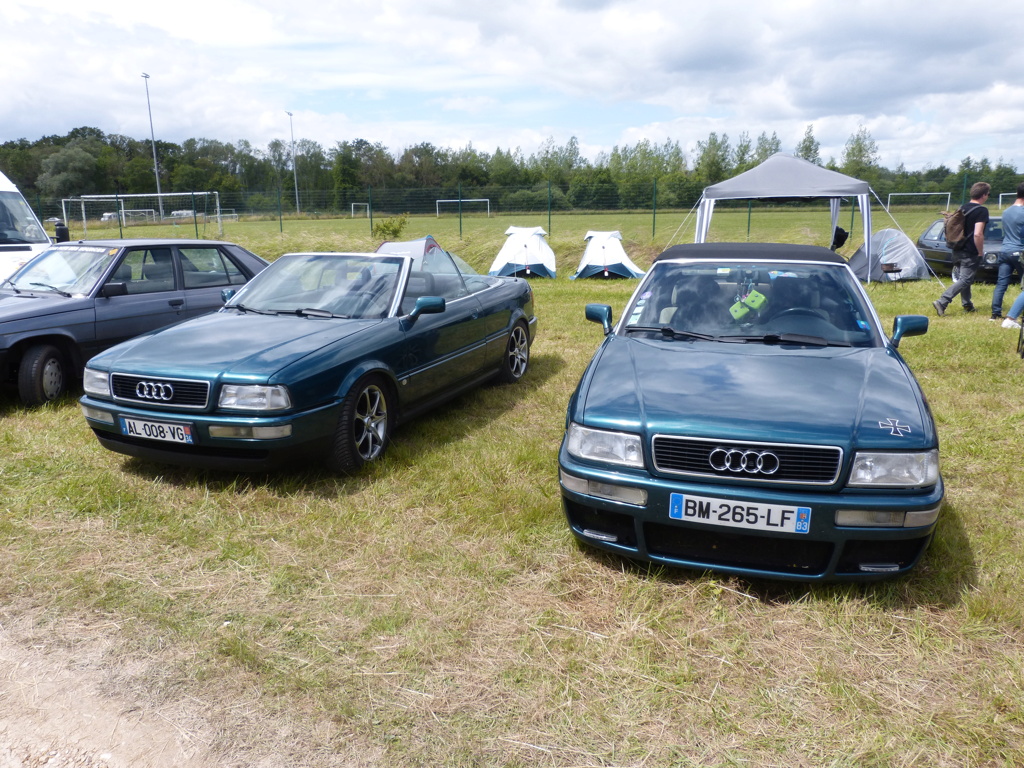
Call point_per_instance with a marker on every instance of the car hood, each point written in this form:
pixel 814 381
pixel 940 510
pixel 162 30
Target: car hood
pixel 18 306
pixel 843 396
pixel 223 342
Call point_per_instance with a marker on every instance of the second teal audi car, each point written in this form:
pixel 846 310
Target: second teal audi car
pixel 747 414
pixel 320 356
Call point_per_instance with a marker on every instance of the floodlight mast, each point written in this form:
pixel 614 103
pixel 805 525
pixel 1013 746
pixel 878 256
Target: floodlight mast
pixel 152 136
pixel 295 170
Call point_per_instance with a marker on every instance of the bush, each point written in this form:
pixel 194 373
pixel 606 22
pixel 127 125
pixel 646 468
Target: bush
pixel 390 229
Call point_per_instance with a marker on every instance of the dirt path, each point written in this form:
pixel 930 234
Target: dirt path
pixel 53 713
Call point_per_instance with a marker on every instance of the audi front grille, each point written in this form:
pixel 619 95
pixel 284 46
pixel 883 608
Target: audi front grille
pixel 160 391
pixel 738 460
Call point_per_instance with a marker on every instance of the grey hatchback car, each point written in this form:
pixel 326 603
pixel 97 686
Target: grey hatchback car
pixel 75 299
pixel 936 251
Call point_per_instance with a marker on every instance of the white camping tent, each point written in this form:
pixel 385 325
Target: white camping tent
pixel 526 253
pixel 786 177
pixel 604 256
pixel 889 246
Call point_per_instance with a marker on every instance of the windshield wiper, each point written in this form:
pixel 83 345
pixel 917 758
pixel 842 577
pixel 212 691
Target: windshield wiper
pixel 671 333
pixel 789 338
pixel 53 288
pixel 243 308
pixel 13 286
pixel 309 312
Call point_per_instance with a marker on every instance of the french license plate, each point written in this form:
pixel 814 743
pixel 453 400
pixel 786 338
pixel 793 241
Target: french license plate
pixel 735 514
pixel 157 430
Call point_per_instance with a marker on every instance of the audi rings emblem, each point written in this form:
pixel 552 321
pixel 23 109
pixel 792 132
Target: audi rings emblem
pixel 750 462
pixel 154 390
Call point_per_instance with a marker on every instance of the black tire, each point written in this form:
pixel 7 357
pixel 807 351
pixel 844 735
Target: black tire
pixel 364 428
pixel 516 357
pixel 42 375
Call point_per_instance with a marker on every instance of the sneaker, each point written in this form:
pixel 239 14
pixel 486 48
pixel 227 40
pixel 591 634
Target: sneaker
pixel 995 318
pixel 1010 323
pixel 939 309
pixel 969 308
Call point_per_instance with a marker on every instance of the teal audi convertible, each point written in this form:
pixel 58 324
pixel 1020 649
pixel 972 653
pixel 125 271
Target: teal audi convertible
pixel 747 414
pixel 318 357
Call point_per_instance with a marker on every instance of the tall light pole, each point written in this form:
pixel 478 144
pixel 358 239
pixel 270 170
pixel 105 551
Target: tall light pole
pixel 295 170
pixel 152 136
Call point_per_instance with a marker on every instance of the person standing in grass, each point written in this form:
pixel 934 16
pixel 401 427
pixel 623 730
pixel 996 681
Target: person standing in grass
pixel 1013 247
pixel 1016 309
pixel 967 258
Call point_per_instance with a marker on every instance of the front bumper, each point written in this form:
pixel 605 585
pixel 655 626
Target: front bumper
pixel 311 433
pixel 826 552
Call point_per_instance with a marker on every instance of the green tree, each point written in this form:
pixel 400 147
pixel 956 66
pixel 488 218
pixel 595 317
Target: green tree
pixel 743 155
pixel 71 170
pixel 593 189
pixel 712 163
pixel 557 164
pixel 507 168
pixel 809 148
pixel 635 169
pixel 766 147
pixel 421 165
pixel 860 156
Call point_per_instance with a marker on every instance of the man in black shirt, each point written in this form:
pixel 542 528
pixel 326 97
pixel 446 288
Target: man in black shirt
pixel 967 260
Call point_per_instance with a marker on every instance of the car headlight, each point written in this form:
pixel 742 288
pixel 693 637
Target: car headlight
pixel 991 258
pixel 254 397
pixel 96 382
pixel 882 469
pixel 601 445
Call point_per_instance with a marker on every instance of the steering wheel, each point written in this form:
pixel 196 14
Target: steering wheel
pixel 807 311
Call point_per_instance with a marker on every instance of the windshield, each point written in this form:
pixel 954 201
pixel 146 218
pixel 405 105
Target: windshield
pixel 18 224
pixel 73 269
pixel 752 302
pixel 345 285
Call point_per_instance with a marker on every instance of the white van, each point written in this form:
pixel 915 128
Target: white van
pixel 21 234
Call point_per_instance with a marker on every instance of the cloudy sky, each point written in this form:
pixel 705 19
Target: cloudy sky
pixel 930 84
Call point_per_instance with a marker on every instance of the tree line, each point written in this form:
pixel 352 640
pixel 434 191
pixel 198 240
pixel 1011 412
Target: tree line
pixel 89 161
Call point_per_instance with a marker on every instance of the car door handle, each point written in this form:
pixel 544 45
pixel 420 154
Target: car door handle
pixel 176 303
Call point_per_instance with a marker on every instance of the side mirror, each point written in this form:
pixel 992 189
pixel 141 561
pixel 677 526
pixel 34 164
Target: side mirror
pixel 908 325
pixel 600 313
pixel 227 293
pixel 427 305
pixel 114 289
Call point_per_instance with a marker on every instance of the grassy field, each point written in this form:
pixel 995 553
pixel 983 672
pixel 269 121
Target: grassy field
pixel 435 610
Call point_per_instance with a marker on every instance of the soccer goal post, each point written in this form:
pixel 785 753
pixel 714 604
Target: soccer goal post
pixel 934 195
pixel 136 209
pixel 463 201
pixel 360 207
pixel 1011 195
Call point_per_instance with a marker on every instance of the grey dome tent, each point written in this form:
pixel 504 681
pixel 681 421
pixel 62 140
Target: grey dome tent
pixel 890 246
pixel 786 177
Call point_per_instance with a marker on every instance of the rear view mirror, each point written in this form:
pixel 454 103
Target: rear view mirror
pixel 114 289
pixel 600 313
pixel 908 325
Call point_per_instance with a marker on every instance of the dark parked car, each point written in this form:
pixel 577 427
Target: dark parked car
pixel 319 357
pixel 747 414
pixel 78 298
pixel 932 244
